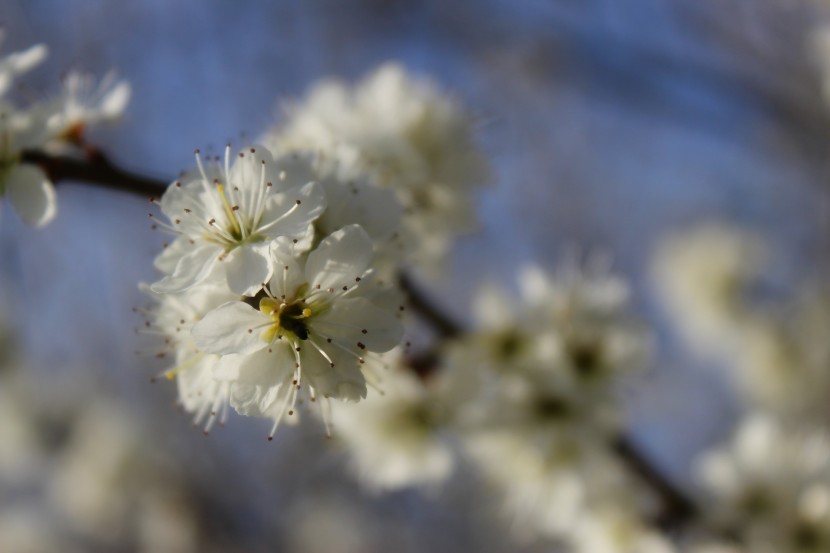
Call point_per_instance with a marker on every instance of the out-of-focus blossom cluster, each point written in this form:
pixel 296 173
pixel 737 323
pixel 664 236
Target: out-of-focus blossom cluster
pixel 527 399
pixel 403 134
pixel 54 125
pixel 712 283
pixel 76 473
pixel 533 390
pixel 767 490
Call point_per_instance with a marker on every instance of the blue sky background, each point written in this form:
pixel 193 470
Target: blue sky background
pixel 609 123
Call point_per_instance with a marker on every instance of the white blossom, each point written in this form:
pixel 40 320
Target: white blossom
pixel 616 531
pixel 49 125
pixel 226 217
pixel 408 135
pixel 397 438
pixel 771 487
pixel 533 396
pixel 18 63
pixel 308 331
pixel 84 102
pixel 702 275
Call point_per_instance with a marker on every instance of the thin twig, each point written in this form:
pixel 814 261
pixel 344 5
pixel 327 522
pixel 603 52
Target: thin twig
pixel 94 168
pixel 677 508
pixel 440 322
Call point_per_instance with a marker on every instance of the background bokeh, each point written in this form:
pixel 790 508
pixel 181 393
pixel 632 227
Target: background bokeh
pixel 609 124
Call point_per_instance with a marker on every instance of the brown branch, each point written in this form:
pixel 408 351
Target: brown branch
pixel 441 323
pixel 94 168
pixel 677 508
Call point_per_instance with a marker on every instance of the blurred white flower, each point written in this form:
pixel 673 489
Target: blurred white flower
pixel 405 133
pixel 616 531
pixel 84 102
pixel 533 396
pixel 771 487
pixel 47 125
pixel 309 330
pixel 702 276
pixel 18 63
pixel 28 529
pixel 108 488
pixel 783 361
pixel 397 438
pixel 227 216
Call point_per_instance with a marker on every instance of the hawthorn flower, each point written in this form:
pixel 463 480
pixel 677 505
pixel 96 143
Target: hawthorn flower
pixel 83 103
pixel 47 125
pixel 308 331
pixel 395 438
pixel 226 217
pixel 771 487
pixel 351 199
pixel 407 134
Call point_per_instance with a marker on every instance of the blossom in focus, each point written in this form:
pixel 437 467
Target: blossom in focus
pixel 225 218
pixel 406 134
pixel 771 487
pixel 307 332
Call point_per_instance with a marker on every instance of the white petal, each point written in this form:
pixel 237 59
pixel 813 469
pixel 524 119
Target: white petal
pixel 190 270
pixel 246 172
pixel 288 276
pixel 312 204
pixel 248 268
pixel 343 381
pixel 18 63
pixel 264 378
pixel 169 257
pixel 340 258
pixel 375 209
pixel 348 318
pixel 114 103
pixel 32 195
pixel 234 327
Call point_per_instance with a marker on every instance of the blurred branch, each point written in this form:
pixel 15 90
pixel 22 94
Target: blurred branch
pixel 677 508
pixel 93 168
pixel 440 322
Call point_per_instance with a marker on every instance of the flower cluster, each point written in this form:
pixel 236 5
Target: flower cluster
pixel 263 302
pixel 768 489
pixel 771 487
pixel 712 283
pixel 534 397
pixel 56 125
pixel 404 134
